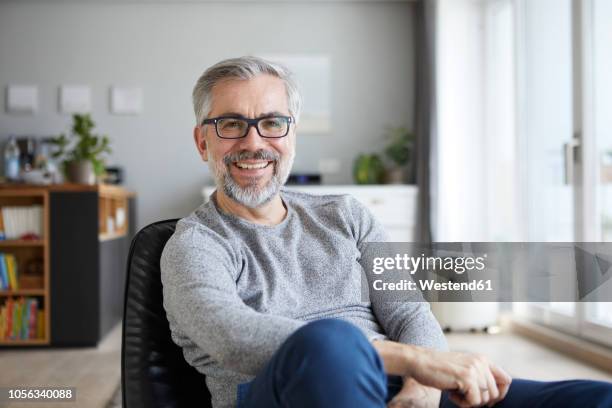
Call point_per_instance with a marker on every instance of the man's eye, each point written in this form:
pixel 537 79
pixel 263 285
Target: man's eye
pixel 272 123
pixel 231 124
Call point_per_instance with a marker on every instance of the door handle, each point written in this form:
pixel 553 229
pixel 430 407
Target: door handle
pixel 569 149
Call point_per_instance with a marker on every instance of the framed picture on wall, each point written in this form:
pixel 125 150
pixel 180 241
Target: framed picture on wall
pixel 313 74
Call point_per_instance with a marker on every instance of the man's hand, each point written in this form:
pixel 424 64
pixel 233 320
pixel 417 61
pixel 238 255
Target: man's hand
pixel 415 395
pixel 471 379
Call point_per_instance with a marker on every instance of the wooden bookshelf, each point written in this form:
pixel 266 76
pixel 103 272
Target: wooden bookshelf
pixel 113 206
pixel 22 243
pixel 31 342
pixel 113 212
pixel 83 249
pixel 30 255
pixel 24 292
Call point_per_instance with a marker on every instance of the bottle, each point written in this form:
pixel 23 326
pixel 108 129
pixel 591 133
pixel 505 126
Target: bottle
pixel 27 150
pixel 11 160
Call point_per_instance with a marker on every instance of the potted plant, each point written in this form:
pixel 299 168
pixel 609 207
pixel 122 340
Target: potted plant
pixel 368 169
pixel 399 151
pixel 81 151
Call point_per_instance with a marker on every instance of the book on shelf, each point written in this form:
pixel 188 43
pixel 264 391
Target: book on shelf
pixel 21 222
pixel 21 319
pixel 11 266
pixel 9 275
pixel 17 319
pixel 40 324
pixel 32 320
pixel 4 281
pixel 2 234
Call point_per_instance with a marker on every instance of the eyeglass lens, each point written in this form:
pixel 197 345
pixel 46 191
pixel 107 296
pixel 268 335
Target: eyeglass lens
pixel 268 127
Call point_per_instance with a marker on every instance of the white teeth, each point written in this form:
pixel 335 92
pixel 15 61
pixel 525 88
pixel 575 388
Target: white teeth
pixel 251 166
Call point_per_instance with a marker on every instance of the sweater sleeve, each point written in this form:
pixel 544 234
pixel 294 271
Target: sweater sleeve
pixel 202 303
pixel 405 322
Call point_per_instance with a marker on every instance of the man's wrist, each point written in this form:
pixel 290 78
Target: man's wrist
pixel 398 358
pixel 411 356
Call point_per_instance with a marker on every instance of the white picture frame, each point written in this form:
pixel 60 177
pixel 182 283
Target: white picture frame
pixel 22 99
pixel 75 99
pixel 126 100
pixel 313 74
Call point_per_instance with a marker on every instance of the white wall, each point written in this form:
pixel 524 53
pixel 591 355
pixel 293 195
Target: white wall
pixel 164 47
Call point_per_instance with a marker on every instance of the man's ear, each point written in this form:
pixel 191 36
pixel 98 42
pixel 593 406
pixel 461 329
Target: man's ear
pixel 200 141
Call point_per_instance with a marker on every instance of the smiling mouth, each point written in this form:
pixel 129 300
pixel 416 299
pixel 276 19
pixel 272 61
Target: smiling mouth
pixel 252 166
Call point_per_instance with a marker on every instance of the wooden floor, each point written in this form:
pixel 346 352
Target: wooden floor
pixel 524 358
pixel 95 372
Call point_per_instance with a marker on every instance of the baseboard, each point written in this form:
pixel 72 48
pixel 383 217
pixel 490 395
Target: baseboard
pixel 579 349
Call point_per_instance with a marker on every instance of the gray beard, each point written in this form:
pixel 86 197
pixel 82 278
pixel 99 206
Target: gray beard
pixel 251 196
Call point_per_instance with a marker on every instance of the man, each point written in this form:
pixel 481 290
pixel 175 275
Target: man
pixel 262 286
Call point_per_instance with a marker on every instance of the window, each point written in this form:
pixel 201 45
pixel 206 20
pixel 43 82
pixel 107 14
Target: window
pixel 548 90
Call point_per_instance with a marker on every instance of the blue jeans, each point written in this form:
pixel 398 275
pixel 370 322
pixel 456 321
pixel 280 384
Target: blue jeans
pixel 330 363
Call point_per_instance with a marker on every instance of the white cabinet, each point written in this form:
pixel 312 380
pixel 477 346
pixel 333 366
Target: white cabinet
pixel 395 206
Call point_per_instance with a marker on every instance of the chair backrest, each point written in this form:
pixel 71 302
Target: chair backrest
pixel 154 372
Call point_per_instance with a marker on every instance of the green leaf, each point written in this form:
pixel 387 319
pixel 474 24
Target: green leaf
pixel 82 143
pixel 399 149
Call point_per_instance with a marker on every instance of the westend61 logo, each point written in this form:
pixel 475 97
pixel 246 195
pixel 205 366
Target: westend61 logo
pixel 413 264
pixel 487 271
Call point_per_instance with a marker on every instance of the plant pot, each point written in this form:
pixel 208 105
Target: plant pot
pixel 81 172
pixel 395 175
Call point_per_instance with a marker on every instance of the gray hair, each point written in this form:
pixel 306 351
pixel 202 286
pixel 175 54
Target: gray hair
pixel 242 68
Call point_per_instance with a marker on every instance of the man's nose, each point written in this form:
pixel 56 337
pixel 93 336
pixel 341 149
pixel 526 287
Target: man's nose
pixel 252 141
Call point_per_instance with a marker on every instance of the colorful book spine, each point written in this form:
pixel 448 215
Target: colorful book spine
pixel 25 319
pixel 40 324
pixel 2 321
pixel 4 283
pixel 2 233
pixel 9 318
pixel 21 319
pixel 15 322
pixel 4 271
pixel 32 322
pixel 11 266
pixel 6 220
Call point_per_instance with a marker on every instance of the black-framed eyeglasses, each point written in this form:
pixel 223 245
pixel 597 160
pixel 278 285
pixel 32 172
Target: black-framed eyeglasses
pixel 235 128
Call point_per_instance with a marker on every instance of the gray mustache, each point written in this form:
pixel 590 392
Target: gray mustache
pixel 246 155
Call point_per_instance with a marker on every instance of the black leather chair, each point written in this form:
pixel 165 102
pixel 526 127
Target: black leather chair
pixel 153 371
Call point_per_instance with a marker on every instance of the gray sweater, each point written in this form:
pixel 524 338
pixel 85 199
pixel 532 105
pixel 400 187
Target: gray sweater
pixel 234 290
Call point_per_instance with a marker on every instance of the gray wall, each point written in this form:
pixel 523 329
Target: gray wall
pixel 163 48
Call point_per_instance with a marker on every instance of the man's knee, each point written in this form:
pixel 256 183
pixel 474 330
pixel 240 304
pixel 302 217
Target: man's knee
pixel 326 334
pixel 335 343
pixel 331 357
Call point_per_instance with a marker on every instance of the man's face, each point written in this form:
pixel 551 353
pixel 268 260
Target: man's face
pixel 270 160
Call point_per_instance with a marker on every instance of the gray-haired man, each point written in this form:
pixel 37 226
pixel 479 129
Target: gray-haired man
pixel 262 285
